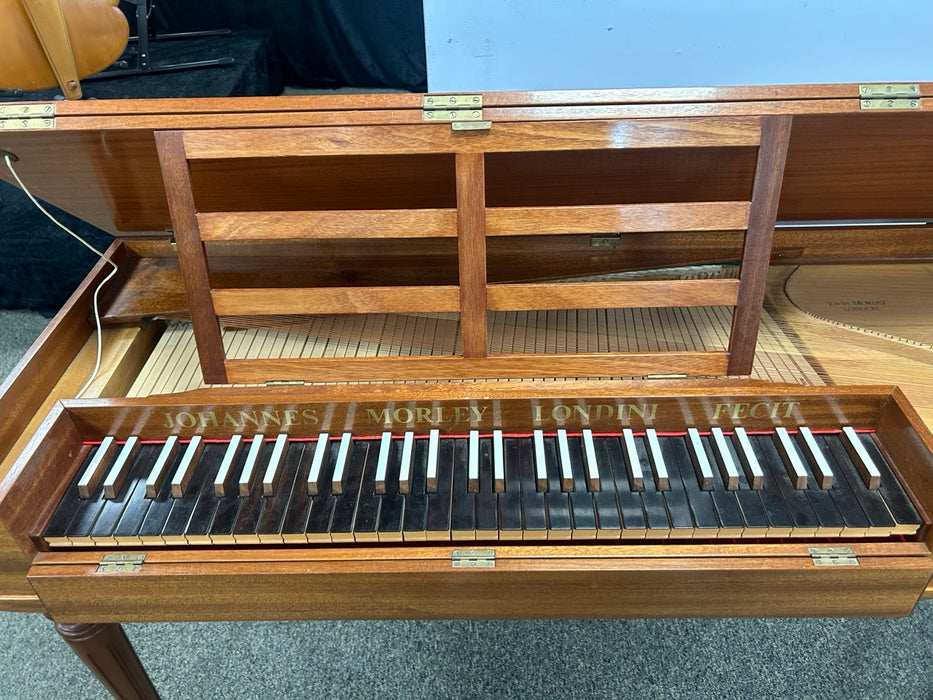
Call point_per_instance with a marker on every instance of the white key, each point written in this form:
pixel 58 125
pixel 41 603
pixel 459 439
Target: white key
pixel 113 482
pixel 540 463
pixel 186 466
pixel 317 464
pixel 662 479
pixel 248 475
pixel 404 469
pixel 95 470
pixel 792 463
pixel 433 444
pixel 271 477
pixel 473 462
pixel 222 480
pixel 753 471
pixel 863 462
pixel 727 465
pixel 821 469
pixel 700 461
pixel 340 466
pixel 563 452
pixel 589 460
pixel 498 462
pixel 636 476
pixel 159 470
pixel 382 466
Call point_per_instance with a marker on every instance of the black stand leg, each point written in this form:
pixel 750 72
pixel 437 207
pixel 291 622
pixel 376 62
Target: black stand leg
pixel 106 650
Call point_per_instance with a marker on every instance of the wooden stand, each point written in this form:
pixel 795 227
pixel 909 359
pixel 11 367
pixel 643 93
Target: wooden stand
pixel 107 652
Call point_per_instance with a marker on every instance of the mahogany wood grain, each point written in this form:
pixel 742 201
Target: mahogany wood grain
pixel 107 652
pixel 439 138
pixel 471 237
pixel 756 254
pixel 33 377
pixel 272 225
pixel 191 256
pixel 521 585
pixel 351 369
pixel 681 216
pixel 336 300
pixel 610 295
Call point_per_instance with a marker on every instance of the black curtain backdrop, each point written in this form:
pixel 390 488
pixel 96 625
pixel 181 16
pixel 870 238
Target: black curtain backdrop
pixel 321 43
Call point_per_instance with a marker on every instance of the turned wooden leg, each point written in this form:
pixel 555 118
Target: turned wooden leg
pixel 105 649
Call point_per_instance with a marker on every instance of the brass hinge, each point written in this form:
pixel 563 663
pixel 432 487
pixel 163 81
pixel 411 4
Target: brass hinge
pixel 892 96
pixel 473 558
pixel 605 240
pixel 121 563
pixel 833 556
pixel 17 117
pixel 463 112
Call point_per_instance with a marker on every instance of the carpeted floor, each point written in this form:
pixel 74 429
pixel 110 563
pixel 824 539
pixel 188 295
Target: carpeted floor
pixel 757 658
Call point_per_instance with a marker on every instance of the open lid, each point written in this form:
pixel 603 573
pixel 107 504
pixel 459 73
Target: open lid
pixel 856 152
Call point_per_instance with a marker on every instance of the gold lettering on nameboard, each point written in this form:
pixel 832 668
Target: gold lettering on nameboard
pixel 761 409
pixel 586 414
pixel 241 419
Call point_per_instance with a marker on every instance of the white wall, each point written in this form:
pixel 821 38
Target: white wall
pixel 484 45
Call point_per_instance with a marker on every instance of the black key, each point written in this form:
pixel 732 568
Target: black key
pixel 803 519
pixel 366 517
pixel 486 500
pixel 559 521
pixel 341 524
pixel 295 522
pixel 898 502
pixel 510 500
pixel 582 510
pixel 247 520
pixel 675 497
pixel 831 521
pixel 632 518
pixel 416 501
pixel 534 510
pixel 727 509
pixel 275 509
pixel 125 532
pixel 134 475
pixel 392 506
pixel 150 530
pixel 748 500
pixel 437 522
pixel 880 521
pixel 229 504
pixel 197 498
pixel 657 524
pixel 462 508
pixel 55 532
pixel 780 522
pixel 605 501
pixel 680 462
pixel 322 502
pixel 855 521
pixel 198 528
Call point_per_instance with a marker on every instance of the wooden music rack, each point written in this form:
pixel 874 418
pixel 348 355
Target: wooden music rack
pixel 472 221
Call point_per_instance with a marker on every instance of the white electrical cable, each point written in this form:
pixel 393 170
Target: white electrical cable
pixel 103 256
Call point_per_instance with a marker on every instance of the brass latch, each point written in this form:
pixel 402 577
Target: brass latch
pixel 473 558
pixel 16 117
pixel 121 563
pixel 833 556
pixel 463 112
pixel 889 96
